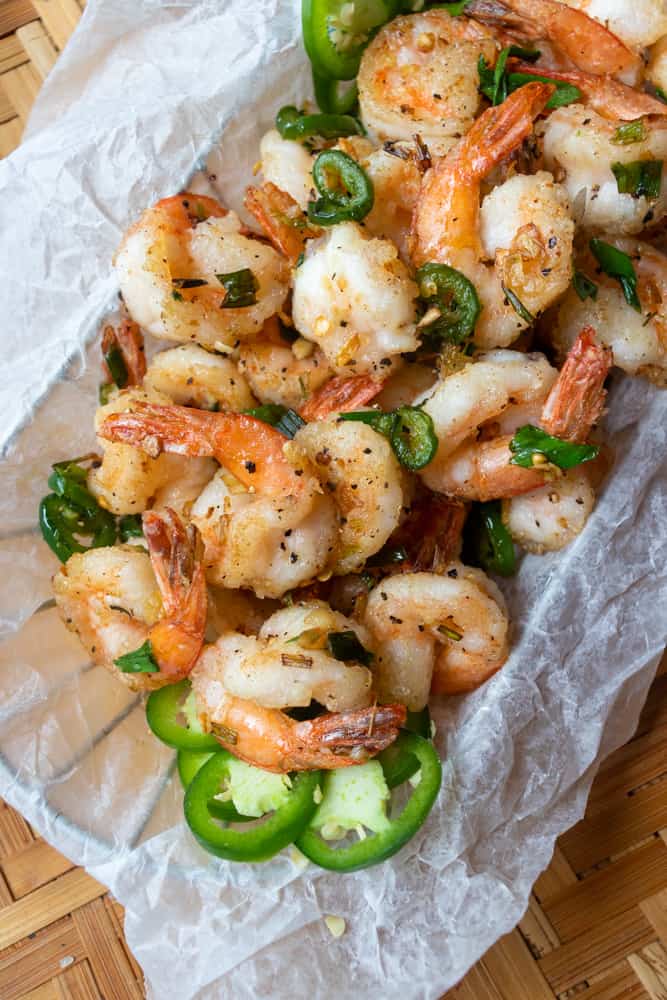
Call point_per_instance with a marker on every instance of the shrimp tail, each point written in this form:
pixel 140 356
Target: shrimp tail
pixel 340 395
pixel 281 218
pixel 341 739
pixel 176 557
pixel 126 338
pixel 609 97
pixel 577 398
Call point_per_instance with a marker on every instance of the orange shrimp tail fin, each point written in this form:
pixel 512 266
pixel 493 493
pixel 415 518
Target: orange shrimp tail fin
pixel 340 395
pixel 250 449
pixel 609 97
pixel 176 557
pixel 128 339
pixel 281 218
pixel 186 209
pixel 431 534
pixel 499 130
pixel 577 398
pixel 342 739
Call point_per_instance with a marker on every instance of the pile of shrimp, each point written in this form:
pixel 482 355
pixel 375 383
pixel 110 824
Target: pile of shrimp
pixel 258 545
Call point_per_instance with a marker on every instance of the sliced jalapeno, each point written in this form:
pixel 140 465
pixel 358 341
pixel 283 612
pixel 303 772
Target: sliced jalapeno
pixel 397 764
pixel 346 190
pixel 61 521
pixel 377 847
pixel 292 124
pixel 413 438
pixel 171 714
pixel 488 542
pixel 259 842
pixel 334 97
pixel 336 32
pixel 454 297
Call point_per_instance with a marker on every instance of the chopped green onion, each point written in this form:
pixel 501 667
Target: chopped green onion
pixel 617 265
pixel 497 83
pixel 660 94
pixel 139 661
pixel 115 362
pixel 288 422
pixel 188 282
pixel 389 555
pixel 345 189
pixel 566 93
pixel 517 305
pixel 455 298
pixel 583 286
pixel 450 633
pixel 630 132
pixel 530 441
pixel 641 178
pixel 129 526
pixel 104 392
pixel 293 124
pixel 241 288
pixel 346 646
pixel 487 542
pixel 68 480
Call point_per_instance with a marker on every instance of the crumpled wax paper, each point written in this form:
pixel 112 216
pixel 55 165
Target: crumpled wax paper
pixel 145 94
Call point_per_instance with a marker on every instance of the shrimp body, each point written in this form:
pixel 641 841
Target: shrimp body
pixel 288 165
pixel 288 664
pixel 579 143
pixel 358 467
pixel 468 399
pixel 167 267
pixel 283 373
pixel 638 339
pixel 129 480
pixel 264 519
pixel 549 518
pixel 415 619
pixel 117 598
pixel 354 297
pixel 525 226
pixel 419 74
pixel 191 376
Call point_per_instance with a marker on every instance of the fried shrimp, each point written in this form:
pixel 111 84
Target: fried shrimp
pixel 638 23
pixel 128 480
pixel 358 467
pixel 582 146
pixel 549 518
pixel 179 268
pixel 638 339
pixel 354 297
pixel 283 372
pixel 264 519
pixel 419 74
pixel 288 664
pixel 191 376
pixel 447 632
pixel 117 599
pixel 524 227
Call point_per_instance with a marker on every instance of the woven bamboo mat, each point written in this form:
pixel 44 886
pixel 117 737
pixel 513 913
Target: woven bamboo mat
pixel 596 928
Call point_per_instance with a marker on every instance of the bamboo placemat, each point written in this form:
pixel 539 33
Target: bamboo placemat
pixel 596 928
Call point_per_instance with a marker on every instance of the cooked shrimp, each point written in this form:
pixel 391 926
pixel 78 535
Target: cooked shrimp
pixel 353 297
pixel 591 46
pixel 638 339
pixel 281 218
pixel 358 467
pixel 265 522
pixel 411 381
pixel 191 376
pixel 638 23
pixel 127 339
pixel 268 738
pixel 549 518
pixel 419 74
pixel 446 631
pixel 656 68
pixel 236 611
pixel 282 372
pixel 128 480
pixel 396 177
pixel 116 599
pixel 288 664
pixel 168 265
pixel 287 165
pixel 524 225
pixel 581 146
pixel 481 392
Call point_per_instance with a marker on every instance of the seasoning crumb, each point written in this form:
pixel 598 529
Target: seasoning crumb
pixel 335 925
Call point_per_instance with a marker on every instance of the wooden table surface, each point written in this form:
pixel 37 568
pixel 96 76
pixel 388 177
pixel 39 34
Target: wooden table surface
pixel 596 928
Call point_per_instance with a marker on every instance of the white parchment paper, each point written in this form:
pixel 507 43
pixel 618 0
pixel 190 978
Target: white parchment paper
pixel 145 93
